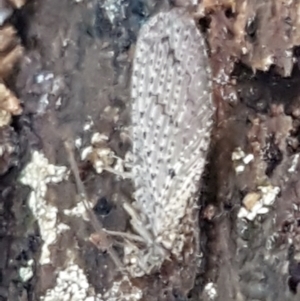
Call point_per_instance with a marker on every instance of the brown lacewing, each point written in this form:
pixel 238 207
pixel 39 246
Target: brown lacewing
pixel 172 117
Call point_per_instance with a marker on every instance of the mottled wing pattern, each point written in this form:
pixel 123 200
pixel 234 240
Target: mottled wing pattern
pixel 171 119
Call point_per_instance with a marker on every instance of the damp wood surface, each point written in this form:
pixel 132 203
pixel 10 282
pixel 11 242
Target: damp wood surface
pixel 73 81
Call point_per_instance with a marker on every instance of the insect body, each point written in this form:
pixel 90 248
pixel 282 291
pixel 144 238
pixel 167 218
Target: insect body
pixel 171 120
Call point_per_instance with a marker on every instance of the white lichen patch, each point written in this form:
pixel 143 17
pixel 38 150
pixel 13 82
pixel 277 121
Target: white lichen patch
pixel 78 142
pixel 112 9
pixel 294 164
pixel 102 156
pixel 37 174
pixel 61 227
pixel 98 138
pixel 79 210
pixel 71 285
pixel 241 159
pixel 210 291
pixel 26 272
pixel 131 293
pixel 88 124
pixel 251 199
pixel 238 154
pixel 256 203
pixel 111 113
pixel 269 194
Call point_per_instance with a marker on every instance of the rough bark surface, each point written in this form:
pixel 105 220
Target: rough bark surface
pixel 73 82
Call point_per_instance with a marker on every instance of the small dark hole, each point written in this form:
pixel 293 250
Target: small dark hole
pixel 27 286
pixel 229 13
pixel 32 42
pixel 33 243
pixel 189 295
pixel 286 227
pixel 22 256
pixel 251 28
pixel 272 155
pixel 103 206
pixel 20 20
pixel 138 8
pixel 292 285
pixel 204 24
pixel 288 21
pixel 297 51
pixel 228 206
pixel 178 296
pixel 89 31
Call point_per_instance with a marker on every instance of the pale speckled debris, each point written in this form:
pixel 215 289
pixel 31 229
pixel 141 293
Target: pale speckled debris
pixel 103 157
pixel 294 165
pixel 26 272
pixel 241 159
pixel 258 203
pixel 71 285
pixel 98 138
pixel 237 154
pixel 37 174
pixel 111 113
pixel 112 8
pixel 131 293
pixel 247 159
pixel 79 210
pixel 210 291
pixel 78 143
pixel 269 194
pixel 88 124
pixel 250 200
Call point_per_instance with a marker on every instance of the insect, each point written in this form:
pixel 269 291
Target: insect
pixel 172 116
